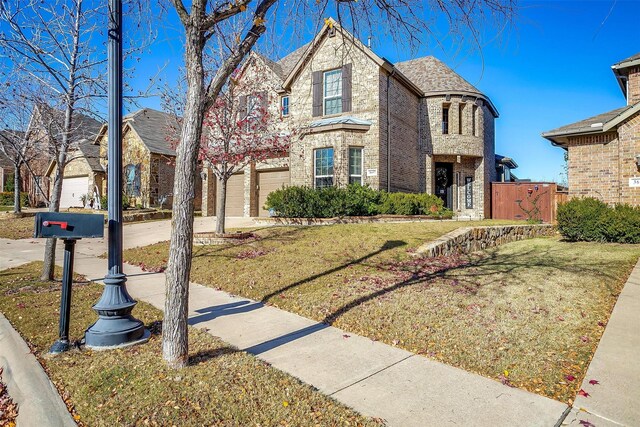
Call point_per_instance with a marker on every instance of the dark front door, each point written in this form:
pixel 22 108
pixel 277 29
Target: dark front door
pixel 444 183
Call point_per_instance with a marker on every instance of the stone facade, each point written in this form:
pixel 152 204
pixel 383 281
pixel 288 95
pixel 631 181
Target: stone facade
pixel 398 123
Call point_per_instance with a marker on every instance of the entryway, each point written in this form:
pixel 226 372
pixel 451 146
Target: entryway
pixel 444 183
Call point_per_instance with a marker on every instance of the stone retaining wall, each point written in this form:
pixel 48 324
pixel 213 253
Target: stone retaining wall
pixel 470 239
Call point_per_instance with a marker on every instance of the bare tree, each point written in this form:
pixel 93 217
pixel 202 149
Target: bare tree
pixel 239 25
pixel 56 46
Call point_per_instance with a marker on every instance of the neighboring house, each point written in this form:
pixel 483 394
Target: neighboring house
pixel 504 169
pixel 148 137
pixel 83 176
pixel 604 150
pixel 6 172
pixel 45 132
pixel 413 126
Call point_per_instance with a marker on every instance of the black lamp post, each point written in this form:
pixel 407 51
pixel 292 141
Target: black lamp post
pixel 115 326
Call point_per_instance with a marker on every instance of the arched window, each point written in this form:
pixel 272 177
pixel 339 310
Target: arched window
pixel 132 180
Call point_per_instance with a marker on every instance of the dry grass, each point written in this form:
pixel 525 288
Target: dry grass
pixel 528 313
pixel 16 228
pixel 222 386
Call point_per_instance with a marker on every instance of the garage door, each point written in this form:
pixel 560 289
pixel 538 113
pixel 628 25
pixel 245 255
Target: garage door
pixel 235 195
pixel 72 190
pixel 269 181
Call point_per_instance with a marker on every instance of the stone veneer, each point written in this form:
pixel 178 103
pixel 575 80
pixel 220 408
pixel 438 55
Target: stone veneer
pixel 469 239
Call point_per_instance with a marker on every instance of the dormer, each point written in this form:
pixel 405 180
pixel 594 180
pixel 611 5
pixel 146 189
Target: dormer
pixel 627 73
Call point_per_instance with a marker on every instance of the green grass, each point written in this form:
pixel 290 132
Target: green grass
pixel 528 313
pixel 132 386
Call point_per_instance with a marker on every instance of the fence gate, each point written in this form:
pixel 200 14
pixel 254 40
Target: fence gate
pixel 525 200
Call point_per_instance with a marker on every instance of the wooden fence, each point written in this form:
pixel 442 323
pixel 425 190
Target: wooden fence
pixel 526 200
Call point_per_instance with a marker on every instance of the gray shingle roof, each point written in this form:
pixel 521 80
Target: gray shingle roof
pixel 274 66
pixel 288 62
pixel 83 128
pixel 624 62
pixel 590 125
pixel 91 152
pixel 432 75
pixel 156 129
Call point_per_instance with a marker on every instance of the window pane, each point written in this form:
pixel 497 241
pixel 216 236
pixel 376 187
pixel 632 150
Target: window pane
pixel 333 106
pixel 324 182
pixel 333 83
pixel 285 105
pixel 355 161
pixel 355 180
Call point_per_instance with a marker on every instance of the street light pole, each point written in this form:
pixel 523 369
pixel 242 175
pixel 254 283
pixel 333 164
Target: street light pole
pixel 115 326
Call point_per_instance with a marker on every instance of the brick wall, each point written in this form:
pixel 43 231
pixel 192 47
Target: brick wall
pixel 405 150
pixel 594 167
pixel 633 86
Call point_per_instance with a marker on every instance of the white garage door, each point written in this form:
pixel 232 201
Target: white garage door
pixel 72 189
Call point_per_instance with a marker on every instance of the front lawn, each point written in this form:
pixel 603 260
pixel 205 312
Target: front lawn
pixel 529 314
pixel 132 386
pixel 16 228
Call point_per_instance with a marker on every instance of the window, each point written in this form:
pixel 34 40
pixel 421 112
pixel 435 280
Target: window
pixel 474 111
pixel 445 119
pixel 355 165
pixel 460 117
pixel 284 106
pixel 332 92
pixel 132 180
pixel 323 167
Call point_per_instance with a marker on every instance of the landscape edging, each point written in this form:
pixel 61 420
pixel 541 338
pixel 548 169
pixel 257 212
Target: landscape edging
pixel 470 239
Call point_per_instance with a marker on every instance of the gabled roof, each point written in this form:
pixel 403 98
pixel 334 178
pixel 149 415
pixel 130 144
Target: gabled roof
pixel 83 127
pixel 156 129
pixel 601 123
pixel 620 70
pixel 91 153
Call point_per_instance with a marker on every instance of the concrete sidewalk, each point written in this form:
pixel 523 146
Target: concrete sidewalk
pixel 615 400
pixel 373 378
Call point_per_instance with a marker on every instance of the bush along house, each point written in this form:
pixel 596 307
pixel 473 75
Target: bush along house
pixel 413 126
pixel 604 150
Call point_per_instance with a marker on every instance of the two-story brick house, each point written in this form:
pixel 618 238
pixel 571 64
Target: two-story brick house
pixel 604 150
pixel 413 126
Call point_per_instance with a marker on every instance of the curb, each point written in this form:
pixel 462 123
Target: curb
pixel 39 403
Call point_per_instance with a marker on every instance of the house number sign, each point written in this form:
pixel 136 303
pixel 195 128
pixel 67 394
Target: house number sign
pixel 372 172
pixel 468 192
pixel 634 182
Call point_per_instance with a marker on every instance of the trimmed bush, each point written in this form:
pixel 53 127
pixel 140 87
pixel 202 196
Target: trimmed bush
pixel 592 220
pixel 353 200
pixel 6 198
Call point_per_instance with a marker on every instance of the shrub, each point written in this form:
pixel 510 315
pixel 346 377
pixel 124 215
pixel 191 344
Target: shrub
pixel 6 198
pixel 353 200
pixel 591 220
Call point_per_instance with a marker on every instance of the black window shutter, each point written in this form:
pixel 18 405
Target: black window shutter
pixel 317 93
pixel 346 88
pixel 264 100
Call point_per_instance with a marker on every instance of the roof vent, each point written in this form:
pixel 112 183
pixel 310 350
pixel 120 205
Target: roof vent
pixel 596 125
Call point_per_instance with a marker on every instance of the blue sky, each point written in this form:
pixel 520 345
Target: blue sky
pixel 552 69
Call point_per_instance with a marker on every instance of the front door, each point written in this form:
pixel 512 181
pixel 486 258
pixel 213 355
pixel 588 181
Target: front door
pixel 444 183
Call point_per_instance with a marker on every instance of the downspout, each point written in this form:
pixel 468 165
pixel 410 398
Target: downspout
pixel 393 71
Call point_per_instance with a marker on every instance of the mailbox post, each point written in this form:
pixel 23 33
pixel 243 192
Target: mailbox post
pixel 69 228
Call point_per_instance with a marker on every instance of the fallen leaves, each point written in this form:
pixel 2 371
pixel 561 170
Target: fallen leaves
pixel 594 382
pixel 570 378
pixel 583 393
pixel 8 408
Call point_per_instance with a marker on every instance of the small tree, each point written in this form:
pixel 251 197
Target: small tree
pixel 239 130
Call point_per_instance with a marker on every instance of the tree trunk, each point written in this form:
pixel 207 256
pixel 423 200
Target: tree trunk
pixel 54 206
pixel 17 181
pixel 221 206
pixel 175 345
